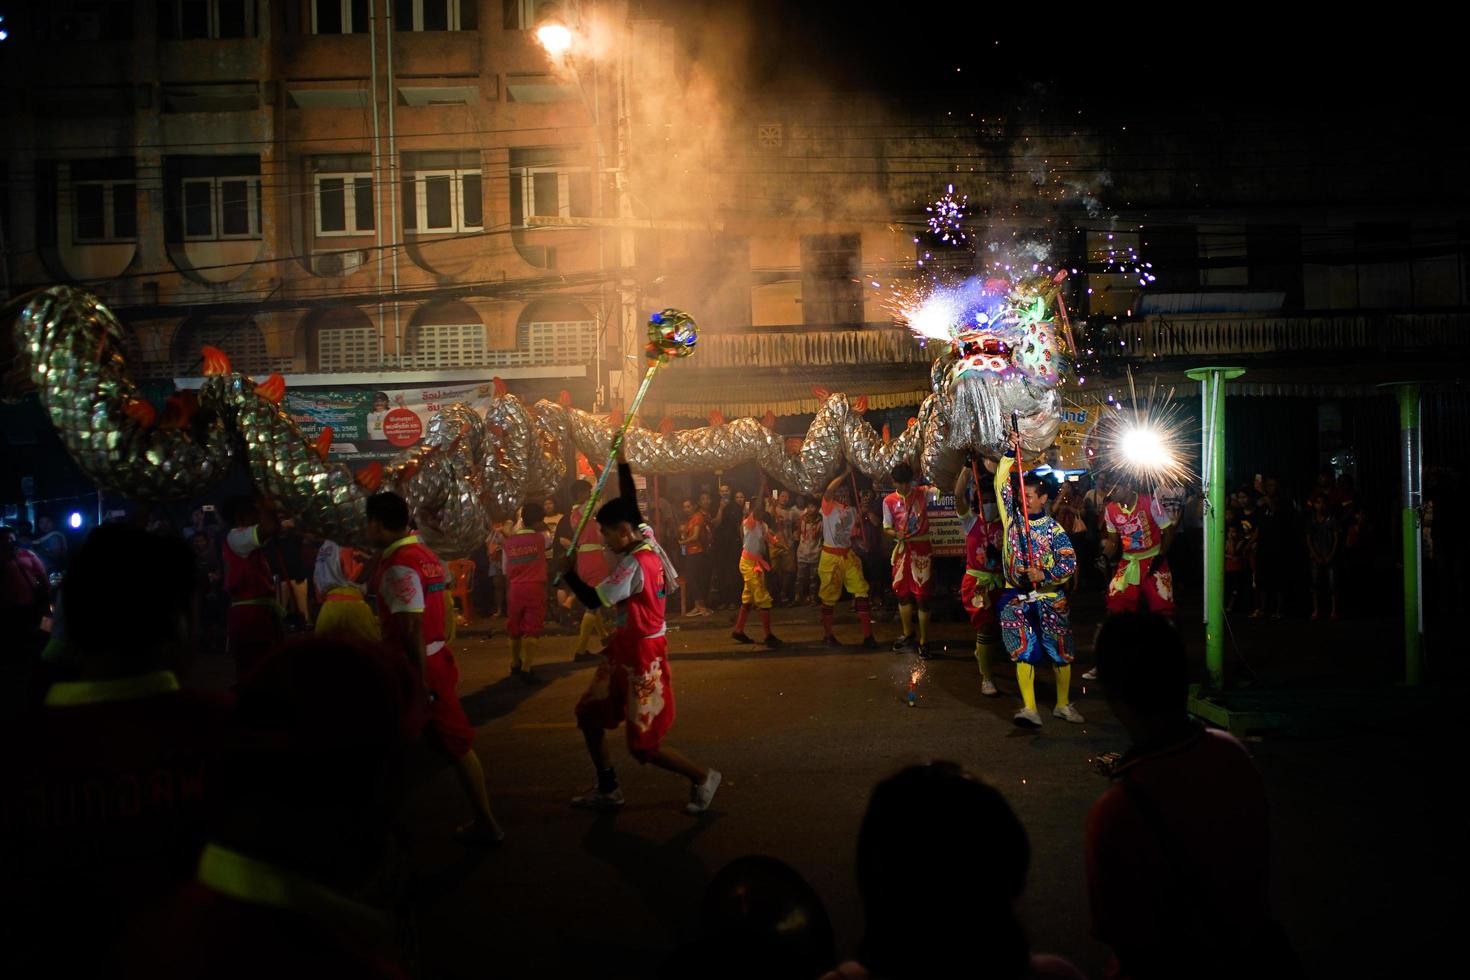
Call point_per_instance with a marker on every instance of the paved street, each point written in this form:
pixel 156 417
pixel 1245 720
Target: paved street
pixel 803 733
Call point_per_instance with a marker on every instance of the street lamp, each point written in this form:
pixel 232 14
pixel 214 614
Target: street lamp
pixel 558 40
pixel 555 38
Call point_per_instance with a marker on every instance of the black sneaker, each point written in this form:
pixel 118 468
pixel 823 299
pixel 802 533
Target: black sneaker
pixel 924 653
pixel 831 641
pixel 740 637
pixel 773 641
pixel 903 644
pixel 585 655
pixel 527 677
pixel 869 643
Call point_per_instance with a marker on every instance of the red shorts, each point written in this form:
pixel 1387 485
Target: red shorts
pixel 634 686
pixel 913 571
pixel 1154 592
pixel 985 619
pixel 447 720
pixel 527 609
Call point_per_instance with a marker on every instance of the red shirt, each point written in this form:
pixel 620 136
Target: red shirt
pixel 697 531
pixel 1212 804
pixel 411 579
pixel 983 543
pixel 591 554
pixel 907 516
pixel 21 578
pixel 247 576
pixel 636 587
pixel 524 552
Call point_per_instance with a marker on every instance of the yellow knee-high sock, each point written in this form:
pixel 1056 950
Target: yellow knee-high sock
pixel 585 631
pixel 923 626
pixel 982 656
pixel 515 653
pixel 529 645
pixel 1064 684
pixel 1026 677
pixel 906 617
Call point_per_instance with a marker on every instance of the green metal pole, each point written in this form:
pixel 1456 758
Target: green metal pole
pixel 1212 430
pixel 1413 473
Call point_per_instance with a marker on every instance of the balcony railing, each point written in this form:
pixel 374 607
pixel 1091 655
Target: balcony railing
pixel 815 347
pixel 1212 333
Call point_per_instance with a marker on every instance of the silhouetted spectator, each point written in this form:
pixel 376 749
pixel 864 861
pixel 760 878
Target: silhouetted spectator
pixel 25 597
pixel 911 934
pixel 309 783
pixel 102 808
pixel 759 918
pixel 1177 848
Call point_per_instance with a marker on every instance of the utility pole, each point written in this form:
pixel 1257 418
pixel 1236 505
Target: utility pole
pixel 630 333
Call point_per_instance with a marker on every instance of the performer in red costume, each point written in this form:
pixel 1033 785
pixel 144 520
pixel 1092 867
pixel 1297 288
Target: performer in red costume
pixel 634 685
pixel 410 590
pixel 984 578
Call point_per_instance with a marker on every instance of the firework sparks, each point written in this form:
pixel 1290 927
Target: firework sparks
pixel 947 217
pixel 1142 444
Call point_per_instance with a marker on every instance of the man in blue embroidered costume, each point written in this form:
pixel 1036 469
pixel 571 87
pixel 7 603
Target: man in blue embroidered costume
pixel 1038 559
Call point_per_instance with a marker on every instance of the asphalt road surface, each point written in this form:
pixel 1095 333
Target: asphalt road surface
pixel 803 733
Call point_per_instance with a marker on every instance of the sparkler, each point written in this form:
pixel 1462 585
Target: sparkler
pixel 1141 445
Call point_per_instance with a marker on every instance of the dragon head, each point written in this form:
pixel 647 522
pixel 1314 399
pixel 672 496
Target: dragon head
pixel 1006 358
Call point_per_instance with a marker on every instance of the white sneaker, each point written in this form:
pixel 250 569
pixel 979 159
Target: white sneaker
pixel 598 800
pixel 700 794
pixel 1068 712
pixel 1027 718
pixel 1090 675
pixel 987 688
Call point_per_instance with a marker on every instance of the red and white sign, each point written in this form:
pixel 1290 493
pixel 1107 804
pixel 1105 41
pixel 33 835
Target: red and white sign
pixel 402 427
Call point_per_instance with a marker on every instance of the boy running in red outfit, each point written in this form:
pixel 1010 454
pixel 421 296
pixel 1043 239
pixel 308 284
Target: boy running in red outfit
pixel 906 523
pixel 524 560
pixel 755 563
pixel 410 590
pixel 634 685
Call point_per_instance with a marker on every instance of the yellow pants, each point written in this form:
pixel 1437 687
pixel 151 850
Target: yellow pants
pixel 835 573
pixel 351 619
pixel 755 592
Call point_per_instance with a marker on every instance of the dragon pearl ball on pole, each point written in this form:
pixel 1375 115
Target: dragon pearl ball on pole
pixel 671 334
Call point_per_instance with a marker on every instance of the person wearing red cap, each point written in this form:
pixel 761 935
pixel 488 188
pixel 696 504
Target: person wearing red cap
pixel 410 591
pixel 634 684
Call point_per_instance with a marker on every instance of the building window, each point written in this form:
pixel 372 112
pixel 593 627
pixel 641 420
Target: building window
pixel 219 208
pixel 347 349
pixel 521 15
pixel 545 183
pixel 194 19
pixel 562 341
pixel 446 345
pixel 435 15
pixel 104 201
pixel 343 189
pixel 830 268
pixel 339 16
pixel 442 192
pixel 88 20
